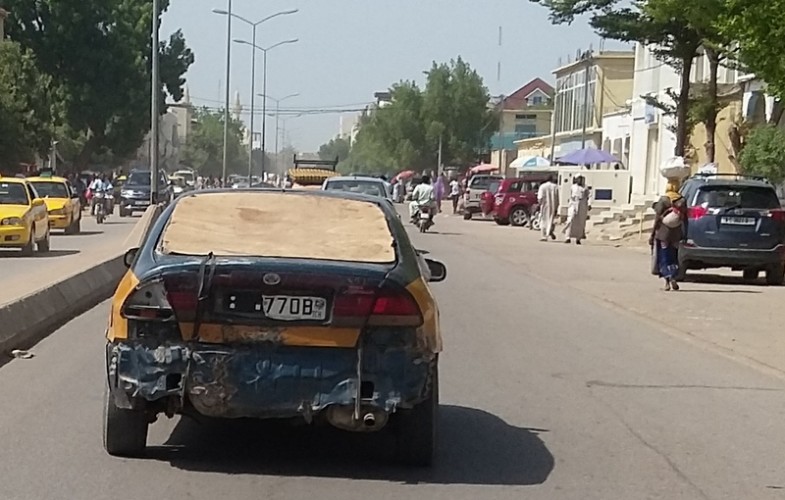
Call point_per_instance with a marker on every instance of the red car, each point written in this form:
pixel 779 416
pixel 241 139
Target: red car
pixel 514 200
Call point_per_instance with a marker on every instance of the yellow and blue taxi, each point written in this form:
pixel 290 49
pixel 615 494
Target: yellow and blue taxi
pixel 62 202
pixel 24 219
pixel 331 322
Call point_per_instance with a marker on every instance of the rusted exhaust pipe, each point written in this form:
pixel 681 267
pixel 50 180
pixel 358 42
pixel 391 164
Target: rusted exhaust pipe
pixel 371 419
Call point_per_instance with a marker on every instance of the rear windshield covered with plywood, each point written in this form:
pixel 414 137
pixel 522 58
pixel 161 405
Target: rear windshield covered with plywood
pixel 284 225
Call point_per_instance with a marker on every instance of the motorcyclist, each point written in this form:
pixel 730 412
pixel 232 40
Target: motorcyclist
pixel 423 195
pixel 101 185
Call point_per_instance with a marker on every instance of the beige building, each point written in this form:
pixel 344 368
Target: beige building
pixel 593 85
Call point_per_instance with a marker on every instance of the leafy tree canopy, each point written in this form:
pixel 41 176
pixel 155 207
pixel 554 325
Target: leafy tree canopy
pixel 405 134
pixel 758 28
pixel 204 151
pixel 97 54
pixel 336 148
pixel 25 106
pixel 764 153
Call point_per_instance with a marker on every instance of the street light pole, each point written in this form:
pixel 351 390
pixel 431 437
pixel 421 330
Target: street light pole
pixel 277 122
pixel 253 110
pixel 264 117
pixel 228 91
pixel 154 91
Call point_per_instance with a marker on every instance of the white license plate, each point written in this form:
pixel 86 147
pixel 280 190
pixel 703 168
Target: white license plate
pixel 294 308
pixel 738 221
pixel 141 203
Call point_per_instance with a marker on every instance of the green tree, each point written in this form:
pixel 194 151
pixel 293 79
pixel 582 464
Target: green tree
pixel 660 23
pixel 204 151
pixel 758 29
pixel 764 153
pixel 97 54
pixel 336 148
pixel 25 106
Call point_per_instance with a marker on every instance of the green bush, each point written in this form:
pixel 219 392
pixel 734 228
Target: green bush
pixel 764 153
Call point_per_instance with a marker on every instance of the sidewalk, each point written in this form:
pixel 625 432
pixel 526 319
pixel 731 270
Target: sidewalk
pixel 718 310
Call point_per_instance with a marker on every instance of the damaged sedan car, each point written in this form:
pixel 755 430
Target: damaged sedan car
pixel 311 306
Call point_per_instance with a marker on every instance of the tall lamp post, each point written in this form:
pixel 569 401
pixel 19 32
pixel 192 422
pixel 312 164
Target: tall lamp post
pixel 254 26
pixel 264 91
pixel 277 120
pixel 229 16
pixel 154 89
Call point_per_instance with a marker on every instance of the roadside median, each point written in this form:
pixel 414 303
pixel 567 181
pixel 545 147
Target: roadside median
pixel 29 319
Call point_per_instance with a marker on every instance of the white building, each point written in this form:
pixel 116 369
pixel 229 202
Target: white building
pixel 348 127
pixel 652 141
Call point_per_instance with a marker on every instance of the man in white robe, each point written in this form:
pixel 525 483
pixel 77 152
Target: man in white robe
pixel 548 198
pixel 577 211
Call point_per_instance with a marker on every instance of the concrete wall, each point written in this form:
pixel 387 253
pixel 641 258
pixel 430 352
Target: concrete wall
pixel 615 86
pixel 609 187
pixel 616 135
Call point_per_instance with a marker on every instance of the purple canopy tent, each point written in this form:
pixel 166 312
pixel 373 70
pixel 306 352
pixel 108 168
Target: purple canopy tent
pixel 588 156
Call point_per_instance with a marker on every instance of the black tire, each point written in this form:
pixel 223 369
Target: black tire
pixel 467 215
pixel 681 275
pixel 29 249
pixel 518 217
pixel 125 431
pixel 502 222
pixel 44 245
pixel 416 429
pixel 124 213
pixel 775 275
pixel 750 274
pixel 77 225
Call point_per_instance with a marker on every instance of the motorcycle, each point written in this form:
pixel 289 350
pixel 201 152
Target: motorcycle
pixel 536 219
pixel 99 204
pixel 424 218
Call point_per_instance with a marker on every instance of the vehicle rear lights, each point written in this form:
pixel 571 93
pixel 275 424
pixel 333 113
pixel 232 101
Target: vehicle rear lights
pixel 149 302
pixel 697 212
pixel 777 215
pixel 386 307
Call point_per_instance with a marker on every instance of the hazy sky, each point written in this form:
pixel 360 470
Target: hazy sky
pixel 349 49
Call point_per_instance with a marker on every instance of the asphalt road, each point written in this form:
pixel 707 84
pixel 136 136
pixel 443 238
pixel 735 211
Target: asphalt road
pixel 545 393
pixel 68 254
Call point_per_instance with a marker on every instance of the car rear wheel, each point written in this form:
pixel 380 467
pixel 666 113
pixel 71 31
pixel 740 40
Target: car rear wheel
pixel 503 222
pixel 416 429
pixel 518 217
pixel 467 215
pixel 775 275
pixel 750 274
pixel 125 431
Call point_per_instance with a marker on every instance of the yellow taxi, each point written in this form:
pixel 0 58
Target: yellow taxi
pixel 24 219
pixel 62 202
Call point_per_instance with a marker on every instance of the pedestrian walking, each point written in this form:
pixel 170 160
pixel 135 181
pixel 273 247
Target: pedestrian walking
pixel 455 194
pixel 439 190
pixel 577 211
pixel 670 227
pixel 548 199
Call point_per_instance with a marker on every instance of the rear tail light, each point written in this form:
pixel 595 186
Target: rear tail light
pixel 149 302
pixel 387 307
pixel 777 215
pixel 697 212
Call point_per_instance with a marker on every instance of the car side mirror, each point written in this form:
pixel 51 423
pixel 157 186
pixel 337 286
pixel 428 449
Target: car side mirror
pixel 437 269
pixel 129 257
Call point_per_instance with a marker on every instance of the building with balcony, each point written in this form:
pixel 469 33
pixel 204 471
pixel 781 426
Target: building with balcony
pixel 525 113
pixel 587 88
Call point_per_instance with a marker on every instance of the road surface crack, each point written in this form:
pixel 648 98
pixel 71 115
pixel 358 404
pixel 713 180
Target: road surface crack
pixel 599 383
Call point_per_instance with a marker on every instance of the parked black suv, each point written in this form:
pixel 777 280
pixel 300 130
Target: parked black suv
pixel 737 222
pixel 135 194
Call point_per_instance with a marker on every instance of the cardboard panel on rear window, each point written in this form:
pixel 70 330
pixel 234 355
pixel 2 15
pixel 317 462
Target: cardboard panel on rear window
pixel 279 225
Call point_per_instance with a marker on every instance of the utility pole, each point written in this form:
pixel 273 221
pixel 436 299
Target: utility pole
pixel 501 131
pixel 154 112
pixel 277 134
pixel 253 110
pixel 587 58
pixel 228 87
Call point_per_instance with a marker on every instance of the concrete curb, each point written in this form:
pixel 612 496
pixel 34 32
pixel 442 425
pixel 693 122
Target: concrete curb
pixel 32 318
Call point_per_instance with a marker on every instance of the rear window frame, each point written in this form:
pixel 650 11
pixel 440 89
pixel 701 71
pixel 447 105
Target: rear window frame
pixel 776 202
